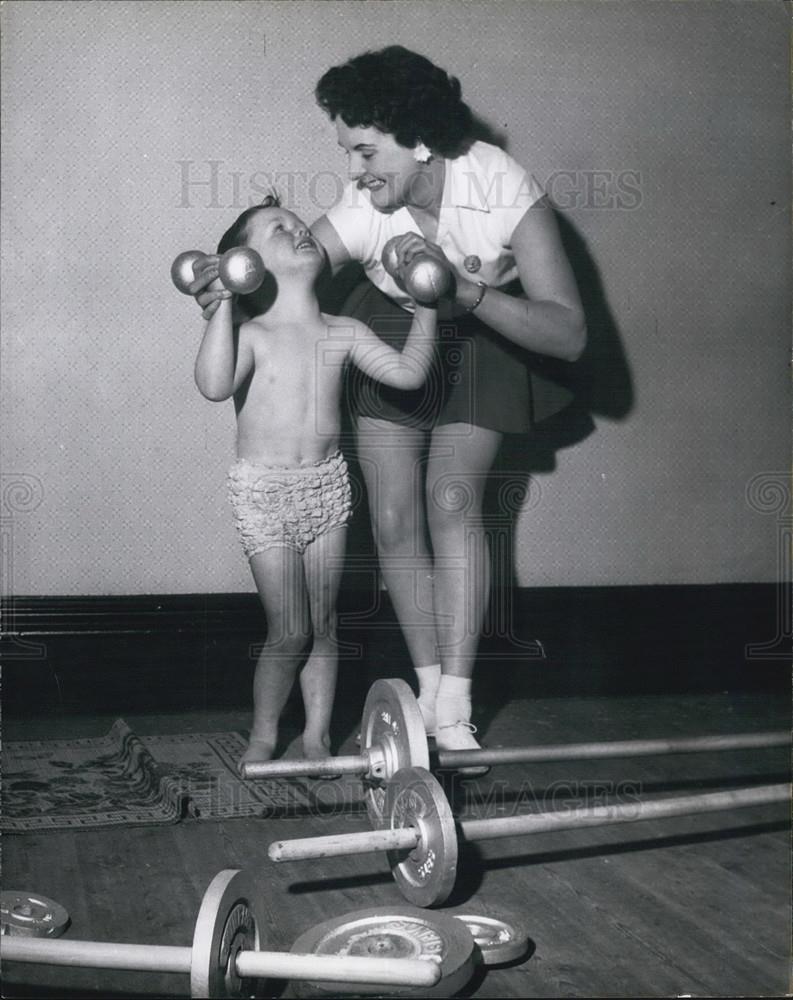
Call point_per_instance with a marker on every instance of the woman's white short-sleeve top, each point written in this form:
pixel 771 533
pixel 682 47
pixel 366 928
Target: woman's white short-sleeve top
pixel 485 195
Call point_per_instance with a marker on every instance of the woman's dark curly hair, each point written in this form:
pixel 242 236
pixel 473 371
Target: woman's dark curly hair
pixel 400 92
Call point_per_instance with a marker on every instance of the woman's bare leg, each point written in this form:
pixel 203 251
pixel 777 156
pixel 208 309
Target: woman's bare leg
pixel 392 460
pixel 461 457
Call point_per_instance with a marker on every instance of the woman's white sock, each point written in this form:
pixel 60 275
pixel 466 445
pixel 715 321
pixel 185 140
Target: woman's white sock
pixel 453 702
pixel 429 678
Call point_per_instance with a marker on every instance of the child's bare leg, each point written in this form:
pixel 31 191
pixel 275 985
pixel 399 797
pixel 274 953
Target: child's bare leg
pixel 281 584
pixel 323 562
pixel 318 686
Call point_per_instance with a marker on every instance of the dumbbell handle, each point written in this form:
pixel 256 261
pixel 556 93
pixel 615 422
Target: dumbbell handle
pixel 249 964
pixel 472 830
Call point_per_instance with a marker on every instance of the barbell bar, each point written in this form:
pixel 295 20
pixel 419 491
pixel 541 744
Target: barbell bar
pixel 393 736
pixel 613 749
pixel 249 964
pixel 421 836
pixel 365 763
pixel 225 951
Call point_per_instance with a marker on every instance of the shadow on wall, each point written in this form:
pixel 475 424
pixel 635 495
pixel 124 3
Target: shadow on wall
pixel 598 384
pixel 483 131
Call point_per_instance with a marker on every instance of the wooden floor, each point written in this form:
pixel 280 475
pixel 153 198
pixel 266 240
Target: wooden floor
pixel 696 905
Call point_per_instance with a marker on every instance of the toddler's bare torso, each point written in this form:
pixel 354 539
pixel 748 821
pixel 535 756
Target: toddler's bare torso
pixel 289 409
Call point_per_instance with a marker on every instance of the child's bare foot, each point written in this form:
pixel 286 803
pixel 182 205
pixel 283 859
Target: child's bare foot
pixel 317 749
pixel 258 751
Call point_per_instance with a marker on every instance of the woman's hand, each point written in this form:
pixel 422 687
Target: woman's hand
pixel 403 251
pixel 411 245
pixel 207 289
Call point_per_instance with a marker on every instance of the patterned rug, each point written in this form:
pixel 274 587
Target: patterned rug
pixel 123 779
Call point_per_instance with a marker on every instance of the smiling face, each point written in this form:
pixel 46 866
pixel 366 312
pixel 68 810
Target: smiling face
pixel 283 240
pixel 388 171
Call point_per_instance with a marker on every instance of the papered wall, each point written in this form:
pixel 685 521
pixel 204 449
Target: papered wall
pixel 132 131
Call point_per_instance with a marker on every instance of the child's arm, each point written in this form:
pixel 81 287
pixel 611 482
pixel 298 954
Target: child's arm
pixel 225 358
pixel 405 369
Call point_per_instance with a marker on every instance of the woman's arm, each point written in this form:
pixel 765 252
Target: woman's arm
pixel 324 231
pixel 405 369
pixel 225 357
pixel 552 320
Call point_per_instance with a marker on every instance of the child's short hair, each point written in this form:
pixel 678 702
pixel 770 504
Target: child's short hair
pixel 258 302
pixel 237 233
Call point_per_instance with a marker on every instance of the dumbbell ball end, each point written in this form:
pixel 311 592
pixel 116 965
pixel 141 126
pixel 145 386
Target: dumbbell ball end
pixel 426 280
pixel 182 273
pixel 241 270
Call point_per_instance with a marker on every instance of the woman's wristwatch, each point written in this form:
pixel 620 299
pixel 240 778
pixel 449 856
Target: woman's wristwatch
pixel 475 305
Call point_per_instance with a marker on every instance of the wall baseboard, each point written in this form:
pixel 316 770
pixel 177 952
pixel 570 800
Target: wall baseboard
pixel 30 617
pixel 185 651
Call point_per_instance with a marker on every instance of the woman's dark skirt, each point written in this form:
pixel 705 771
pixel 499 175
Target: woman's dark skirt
pixel 479 377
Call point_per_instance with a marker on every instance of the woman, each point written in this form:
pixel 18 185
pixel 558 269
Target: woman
pixel 417 173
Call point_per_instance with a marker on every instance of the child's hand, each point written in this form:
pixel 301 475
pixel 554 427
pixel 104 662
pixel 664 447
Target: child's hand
pixel 419 267
pixel 411 245
pixel 207 289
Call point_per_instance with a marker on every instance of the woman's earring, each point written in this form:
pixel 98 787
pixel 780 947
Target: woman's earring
pixel 421 154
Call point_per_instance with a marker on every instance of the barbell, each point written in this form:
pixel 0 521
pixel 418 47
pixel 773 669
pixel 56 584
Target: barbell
pixel 225 955
pixel 393 737
pixel 420 835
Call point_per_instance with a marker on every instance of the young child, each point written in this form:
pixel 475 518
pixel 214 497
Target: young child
pixel 289 488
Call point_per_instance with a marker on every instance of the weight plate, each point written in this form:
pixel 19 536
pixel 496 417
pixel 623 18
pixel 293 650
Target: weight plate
pixel 391 932
pixel 228 922
pixel 393 727
pixel 425 874
pixel 30 915
pixel 498 941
